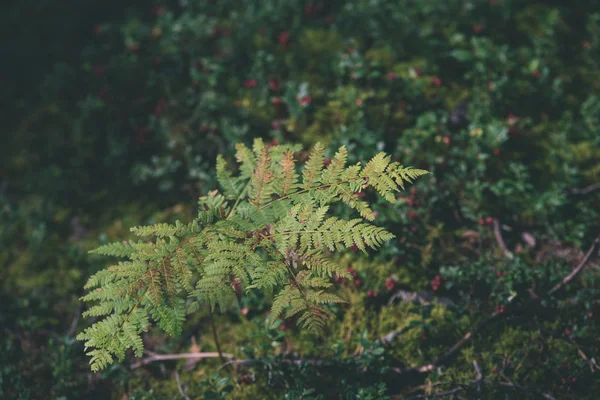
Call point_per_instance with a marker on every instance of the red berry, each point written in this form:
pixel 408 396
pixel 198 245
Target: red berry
pixel 357 282
pixel 391 76
pixel 573 379
pixel 481 221
pixel 489 220
pixel 284 39
pixel 326 162
pixel 244 311
pixel 98 70
pixel 304 101
pixel 358 102
pixel 536 74
pixel 283 326
pixel 370 293
pixel 351 271
pixel 436 81
pixel 274 84
pixel 415 229
pixel 446 139
pixel 563 381
pixel 567 332
pixel 276 101
pixel 156 10
pixel 412 215
pixel 478 28
pixel 251 83
pixel 308 10
pixel 274 142
pixel 413 191
pixel 390 284
pixel 498 274
pixel 496 151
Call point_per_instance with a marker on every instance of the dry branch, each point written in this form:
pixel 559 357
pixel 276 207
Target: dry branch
pixel 163 357
pixel 500 240
pixel 577 269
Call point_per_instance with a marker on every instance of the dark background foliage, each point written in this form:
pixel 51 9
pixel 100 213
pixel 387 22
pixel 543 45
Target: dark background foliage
pixel 113 113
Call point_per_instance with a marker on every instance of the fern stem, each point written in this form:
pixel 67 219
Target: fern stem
pixel 137 304
pixel 216 337
pixel 237 201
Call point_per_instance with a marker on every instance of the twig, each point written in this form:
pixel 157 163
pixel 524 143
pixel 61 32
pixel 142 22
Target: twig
pixel 577 269
pixel 500 241
pixel 179 386
pixel 387 339
pixel 163 357
pixel 479 378
pixel 589 362
pixel 73 326
pixel 587 189
pixel 454 349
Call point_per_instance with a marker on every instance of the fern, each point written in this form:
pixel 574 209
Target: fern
pixel 266 230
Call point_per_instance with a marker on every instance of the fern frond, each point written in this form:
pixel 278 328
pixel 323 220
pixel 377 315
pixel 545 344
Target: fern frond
pixel 261 183
pixel 232 187
pixel 275 236
pixel 158 230
pixel 314 166
pixel 334 170
pixel 116 249
pixel 247 160
pixel 288 181
pixel 289 295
